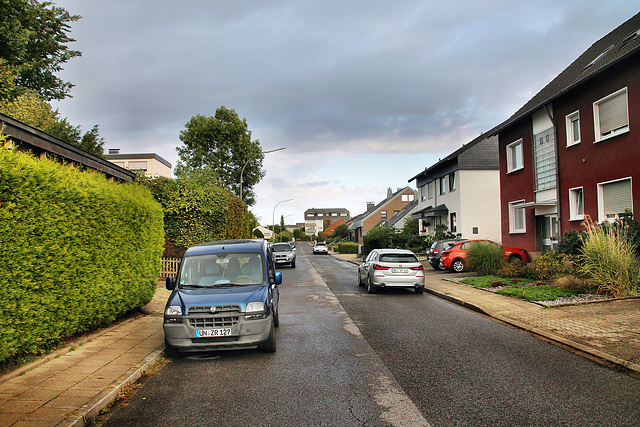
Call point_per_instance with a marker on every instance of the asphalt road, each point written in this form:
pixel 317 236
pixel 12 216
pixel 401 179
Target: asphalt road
pixel 348 358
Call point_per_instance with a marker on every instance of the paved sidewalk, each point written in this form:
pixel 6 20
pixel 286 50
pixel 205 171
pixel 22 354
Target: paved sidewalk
pixel 74 384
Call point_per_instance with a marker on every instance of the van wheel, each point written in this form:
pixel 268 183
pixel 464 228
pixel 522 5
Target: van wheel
pixel 171 351
pixel 269 346
pixel 457 266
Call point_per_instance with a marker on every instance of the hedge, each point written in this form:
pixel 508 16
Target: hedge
pixel 348 248
pixel 77 251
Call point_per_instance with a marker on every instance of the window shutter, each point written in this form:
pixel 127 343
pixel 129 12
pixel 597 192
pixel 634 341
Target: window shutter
pixel 617 197
pixel 613 113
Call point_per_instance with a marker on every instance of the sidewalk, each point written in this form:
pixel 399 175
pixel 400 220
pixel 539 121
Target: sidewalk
pixel 74 384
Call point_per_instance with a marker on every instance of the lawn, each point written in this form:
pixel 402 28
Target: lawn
pixel 519 288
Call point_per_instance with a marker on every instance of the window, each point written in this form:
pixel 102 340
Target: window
pixel 452 181
pixel 614 198
pixel 573 128
pixel 453 223
pixel 611 115
pixel 545 159
pixel 514 156
pixel 408 197
pixel 516 217
pixel 140 165
pixel 431 189
pixel 442 185
pixel 576 204
pixel 383 214
pixel 423 195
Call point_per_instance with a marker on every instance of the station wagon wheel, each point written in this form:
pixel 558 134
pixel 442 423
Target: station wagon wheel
pixel 370 288
pixel 360 279
pixel 457 266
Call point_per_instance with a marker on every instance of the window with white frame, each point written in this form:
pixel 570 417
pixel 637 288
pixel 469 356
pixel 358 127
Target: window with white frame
pixel 442 185
pixel 453 222
pixel 423 195
pixel 383 214
pixel 408 197
pixel 614 198
pixel 573 128
pixel 576 204
pixel 452 181
pixel 516 217
pixel 138 165
pixel 515 159
pixel 611 115
pixel 431 189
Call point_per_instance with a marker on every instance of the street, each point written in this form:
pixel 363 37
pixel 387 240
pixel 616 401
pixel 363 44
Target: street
pixel 394 358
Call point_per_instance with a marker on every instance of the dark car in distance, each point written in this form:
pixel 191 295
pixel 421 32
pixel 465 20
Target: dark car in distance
pixel 439 246
pixel 225 296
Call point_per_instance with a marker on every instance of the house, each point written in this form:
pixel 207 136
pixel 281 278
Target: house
pixel 329 230
pixel 573 150
pixel 383 211
pixel 267 233
pixel 152 164
pixel 399 218
pixel 40 144
pixel 462 191
pixel 316 220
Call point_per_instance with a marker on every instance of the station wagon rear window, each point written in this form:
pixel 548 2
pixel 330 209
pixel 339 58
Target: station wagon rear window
pixel 398 258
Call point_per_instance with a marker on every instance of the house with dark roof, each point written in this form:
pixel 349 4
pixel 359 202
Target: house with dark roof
pixel 383 211
pixel 573 150
pixel 462 191
pixel 318 219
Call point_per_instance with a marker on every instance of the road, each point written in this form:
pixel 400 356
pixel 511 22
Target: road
pixel 393 358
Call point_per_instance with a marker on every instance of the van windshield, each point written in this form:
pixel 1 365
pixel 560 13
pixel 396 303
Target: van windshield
pixel 223 269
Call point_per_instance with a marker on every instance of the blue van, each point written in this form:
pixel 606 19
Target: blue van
pixel 225 296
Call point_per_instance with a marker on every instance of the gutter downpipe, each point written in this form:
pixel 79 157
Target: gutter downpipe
pixel 555 148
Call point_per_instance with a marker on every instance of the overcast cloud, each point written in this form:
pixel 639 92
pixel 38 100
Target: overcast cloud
pixel 363 94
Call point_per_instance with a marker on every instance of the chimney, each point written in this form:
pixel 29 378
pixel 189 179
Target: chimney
pixel 370 206
pixel 389 193
pixel 114 151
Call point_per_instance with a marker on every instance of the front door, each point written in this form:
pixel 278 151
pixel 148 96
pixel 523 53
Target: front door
pixel 549 232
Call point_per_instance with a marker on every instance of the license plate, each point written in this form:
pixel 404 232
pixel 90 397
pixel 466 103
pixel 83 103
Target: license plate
pixel 399 270
pixel 206 333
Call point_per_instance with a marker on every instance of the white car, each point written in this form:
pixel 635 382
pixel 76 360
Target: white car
pixel 320 248
pixel 389 268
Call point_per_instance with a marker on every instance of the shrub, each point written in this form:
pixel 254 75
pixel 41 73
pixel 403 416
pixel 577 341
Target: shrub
pixel 347 248
pixel 485 258
pixel 512 270
pixel 549 265
pixel 571 242
pixel 610 259
pixel 76 251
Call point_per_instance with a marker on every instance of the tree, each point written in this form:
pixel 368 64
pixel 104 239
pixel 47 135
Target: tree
pixel 340 232
pixel 33 45
pixel 222 145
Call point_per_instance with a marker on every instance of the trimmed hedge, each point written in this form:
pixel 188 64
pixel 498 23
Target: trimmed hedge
pixel 77 251
pixel 348 248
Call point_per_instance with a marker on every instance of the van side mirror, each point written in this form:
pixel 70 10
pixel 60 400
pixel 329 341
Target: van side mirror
pixel 171 284
pixel 278 278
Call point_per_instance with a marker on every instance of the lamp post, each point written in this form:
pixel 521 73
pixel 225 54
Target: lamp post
pixel 273 218
pixel 251 158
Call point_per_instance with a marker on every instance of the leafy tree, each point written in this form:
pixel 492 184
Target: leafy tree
pixel 378 237
pixel 282 225
pixel 258 234
pixel 340 232
pixel 33 46
pixel 299 234
pixel 222 145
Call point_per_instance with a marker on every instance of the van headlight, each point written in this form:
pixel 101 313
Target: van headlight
pixel 173 310
pixel 255 310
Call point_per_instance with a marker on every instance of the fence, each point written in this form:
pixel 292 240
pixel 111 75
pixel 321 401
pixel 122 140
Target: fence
pixel 170 267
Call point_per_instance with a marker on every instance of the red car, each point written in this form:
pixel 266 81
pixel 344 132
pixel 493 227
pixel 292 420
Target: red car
pixel 454 258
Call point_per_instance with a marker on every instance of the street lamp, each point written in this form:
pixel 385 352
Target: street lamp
pixel 273 218
pixel 251 158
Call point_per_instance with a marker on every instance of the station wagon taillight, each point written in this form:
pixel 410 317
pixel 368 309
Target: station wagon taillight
pixel 379 267
pixel 417 268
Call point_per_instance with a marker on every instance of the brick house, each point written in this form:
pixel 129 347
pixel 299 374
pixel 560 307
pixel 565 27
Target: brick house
pixel 573 150
pixel 383 211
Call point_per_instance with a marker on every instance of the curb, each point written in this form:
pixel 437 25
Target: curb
pixel 107 397
pixel 552 337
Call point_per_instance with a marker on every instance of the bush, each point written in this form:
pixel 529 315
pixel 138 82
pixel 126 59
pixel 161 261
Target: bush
pixel 485 258
pixel 548 266
pixel 512 270
pixel 610 259
pixel 571 242
pixel 348 248
pixel 76 251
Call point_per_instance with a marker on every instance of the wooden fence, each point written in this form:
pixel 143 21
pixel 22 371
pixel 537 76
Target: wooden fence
pixel 170 267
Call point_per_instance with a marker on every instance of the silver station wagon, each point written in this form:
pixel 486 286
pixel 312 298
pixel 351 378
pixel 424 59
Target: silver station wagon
pixel 389 268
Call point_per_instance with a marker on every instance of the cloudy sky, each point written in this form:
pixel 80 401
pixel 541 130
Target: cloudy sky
pixel 363 94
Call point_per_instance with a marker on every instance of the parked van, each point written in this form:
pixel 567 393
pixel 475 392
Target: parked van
pixel 225 296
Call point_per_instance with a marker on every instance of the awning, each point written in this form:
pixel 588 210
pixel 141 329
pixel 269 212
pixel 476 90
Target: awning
pixel 544 204
pixel 430 212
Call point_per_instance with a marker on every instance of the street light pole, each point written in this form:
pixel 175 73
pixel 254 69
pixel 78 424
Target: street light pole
pixel 251 158
pixel 273 218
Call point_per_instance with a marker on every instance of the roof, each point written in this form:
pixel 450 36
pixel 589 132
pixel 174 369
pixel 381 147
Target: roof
pixel 403 212
pixel 610 50
pixel 356 221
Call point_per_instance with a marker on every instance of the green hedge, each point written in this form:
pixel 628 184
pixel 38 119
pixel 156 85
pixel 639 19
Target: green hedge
pixel 77 251
pixel 348 248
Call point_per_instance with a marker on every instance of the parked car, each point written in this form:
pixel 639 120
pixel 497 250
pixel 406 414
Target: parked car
pixel 389 268
pixel 439 246
pixel 454 258
pixel 225 296
pixel 284 254
pixel 320 248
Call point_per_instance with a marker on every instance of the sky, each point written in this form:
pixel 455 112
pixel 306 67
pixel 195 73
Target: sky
pixel 362 94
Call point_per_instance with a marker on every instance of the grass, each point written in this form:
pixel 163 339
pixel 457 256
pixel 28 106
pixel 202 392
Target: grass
pixel 493 281
pixel 537 293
